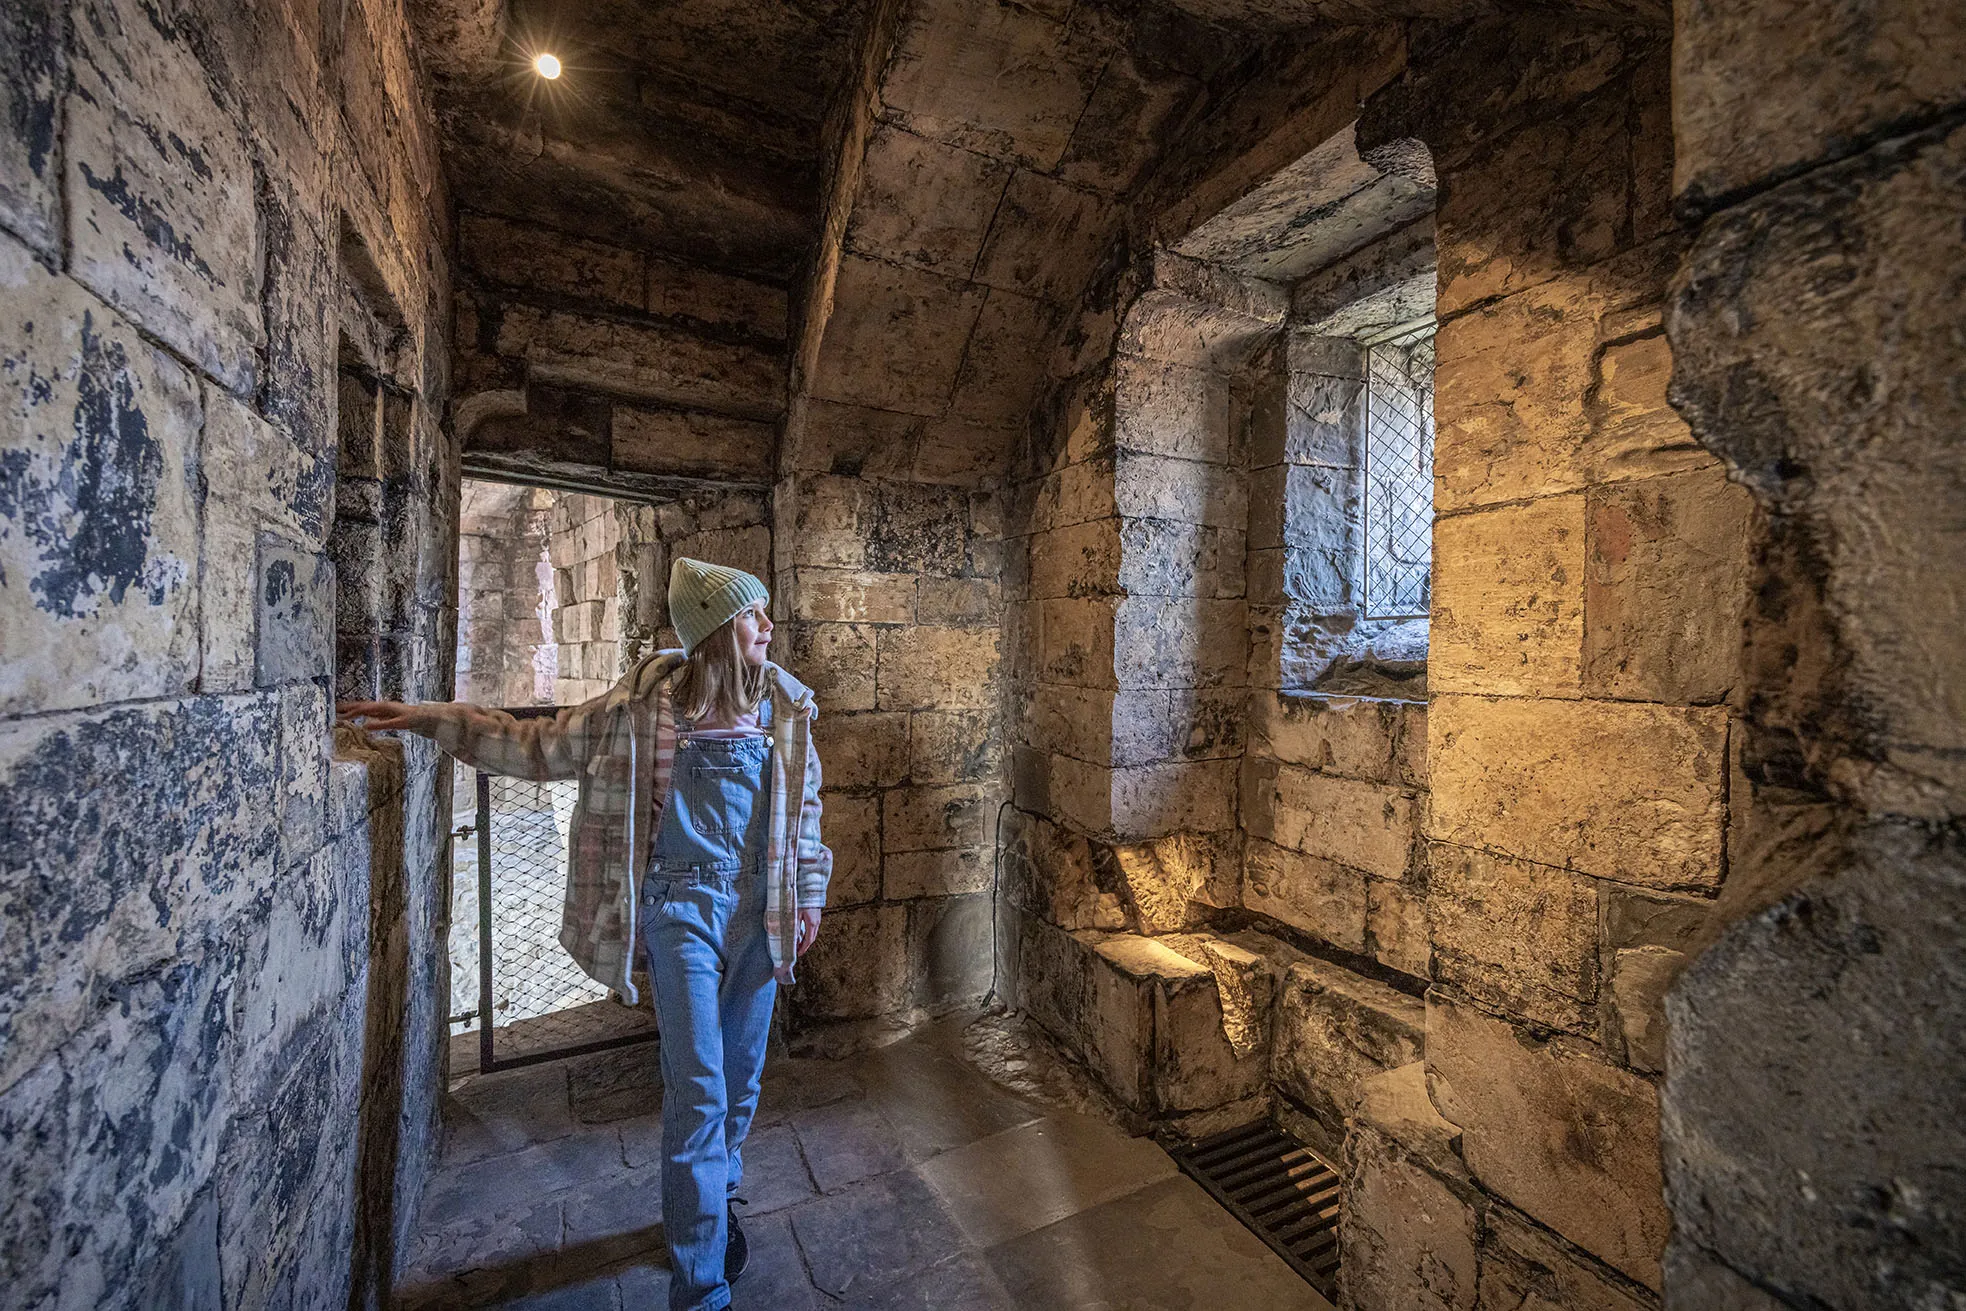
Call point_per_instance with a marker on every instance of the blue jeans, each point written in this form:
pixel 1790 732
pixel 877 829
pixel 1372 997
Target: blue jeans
pixel 702 917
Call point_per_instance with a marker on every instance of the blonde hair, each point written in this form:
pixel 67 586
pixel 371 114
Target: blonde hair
pixel 716 681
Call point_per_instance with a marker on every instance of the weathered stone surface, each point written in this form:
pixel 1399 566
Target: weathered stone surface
pixel 1154 1029
pixel 1189 491
pixel 1835 1003
pixel 539 260
pixel 936 818
pixel 1639 979
pixel 1518 936
pixel 1396 1107
pixel 1044 236
pixel 1397 929
pixel 648 359
pixel 1695 1279
pixel 99 513
pixel 162 186
pixel 1554 1130
pixel 1165 558
pixel 852 828
pixel 682 290
pixel 949 941
pixel 33 73
pixel 953 746
pixel 1172 410
pixel 1050 870
pixel 1509 600
pixel 294 612
pixel 940 668
pixel 1635 432
pixel 1405 1239
pixel 1536 778
pixel 837 662
pixel 858 967
pixel 1752 104
pixel 1151 801
pixel 1357 737
pixel 1665 588
pixel 895 339
pixel 1167 883
pixel 1307 892
pixel 1176 642
pixel 1522 1265
pixel 863 750
pixel 1368 826
pixel 851 596
pixel 906 874
pixel 1335 1029
pixel 691 444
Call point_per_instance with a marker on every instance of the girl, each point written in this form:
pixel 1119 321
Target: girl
pixel 696 831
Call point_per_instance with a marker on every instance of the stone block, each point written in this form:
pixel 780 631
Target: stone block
pixel 1081 492
pixel 919 528
pixel 1001 82
pixel 895 338
pixel 906 874
pixel 1635 432
pixel 540 260
pixel 1050 871
pixel 1508 600
pixel 1335 1029
pixel 1520 937
pixel 1368 826
pixel 1694 1279
pixel 1075 641
pixel 1513 378
pixel 294 598
pixel 648 360
pixel 1405 1239
pixel 939 668
pixel 831 520
pixel 1666 588
pixel 99 515
pixel 1168 884
pixel 851 826
pixel 960 601
pixel 1355 737
pixel 1522 1265
pixel 936 818
pixel 1396 1108
pixel 1076 560
pixel 687 291
pixel 1753 105
pixel 1178 642
pixel 1189 491
pixel 1148 801
pixel 949 941
pixel 1150 727
pixel 922 203
pixel 858 968
pixel 963 453
pixel 862 750
pixel 161 188
pixel 1044 236
pixel 1319 896
pixel 691 444
pixel 1171 410
pixel 33 75
pixel 1554 1130
pixel 1397 932
pixel 837 662
pixel 853 440
pixel 1638 983
pixel 1536 778
pixel 953 746
pixel 1159 557
pixel 850 596
pixel 1154 1031
pixel 1003 370
pixel 1324 419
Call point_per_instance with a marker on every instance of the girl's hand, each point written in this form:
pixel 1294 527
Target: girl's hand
pixel 387 716
pixel 808 929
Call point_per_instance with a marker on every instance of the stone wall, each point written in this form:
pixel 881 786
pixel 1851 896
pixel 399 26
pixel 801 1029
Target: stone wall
pixel 1811 1126
pixel 611 367
pixel 505 655
pixel 223 1010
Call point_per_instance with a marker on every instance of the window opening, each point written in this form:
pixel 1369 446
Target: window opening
pixel 1399 471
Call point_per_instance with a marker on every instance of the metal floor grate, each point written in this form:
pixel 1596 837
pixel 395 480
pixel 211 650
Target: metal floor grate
pixel 1282 1191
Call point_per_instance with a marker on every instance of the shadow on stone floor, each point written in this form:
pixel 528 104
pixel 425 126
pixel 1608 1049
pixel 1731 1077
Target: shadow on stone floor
pixel 898 1179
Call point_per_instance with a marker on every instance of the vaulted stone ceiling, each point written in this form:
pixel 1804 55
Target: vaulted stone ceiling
pixel 687 126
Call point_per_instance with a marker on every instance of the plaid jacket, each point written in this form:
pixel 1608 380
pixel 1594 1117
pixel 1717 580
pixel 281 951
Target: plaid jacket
pixel 620 745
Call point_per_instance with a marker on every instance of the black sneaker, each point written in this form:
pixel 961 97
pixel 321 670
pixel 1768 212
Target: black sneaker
pixel 737 1251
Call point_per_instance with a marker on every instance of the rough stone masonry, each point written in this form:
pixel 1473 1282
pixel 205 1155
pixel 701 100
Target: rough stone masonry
pixel 1601 917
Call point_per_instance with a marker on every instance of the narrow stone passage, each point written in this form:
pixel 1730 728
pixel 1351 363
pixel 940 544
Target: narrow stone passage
pixel 897 1178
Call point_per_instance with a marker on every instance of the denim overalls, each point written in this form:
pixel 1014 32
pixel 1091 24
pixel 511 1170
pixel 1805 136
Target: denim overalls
pixel 702 918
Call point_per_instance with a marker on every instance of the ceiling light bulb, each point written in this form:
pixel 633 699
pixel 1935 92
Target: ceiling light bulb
pixel 547 66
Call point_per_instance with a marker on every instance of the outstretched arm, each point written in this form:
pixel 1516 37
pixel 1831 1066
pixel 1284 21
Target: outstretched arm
pixel 491 740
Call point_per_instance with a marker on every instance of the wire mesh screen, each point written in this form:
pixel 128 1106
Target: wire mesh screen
pixel 510 888
pixel 1399 475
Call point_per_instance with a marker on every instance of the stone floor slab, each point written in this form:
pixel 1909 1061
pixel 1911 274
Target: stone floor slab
pixel 935 1101
pixel 775 1174
pixel 876 1233
pixel 1165 1247
pixel 963 1282
pixel 492 1114
pixel 847 1141
pixel 1038 1173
